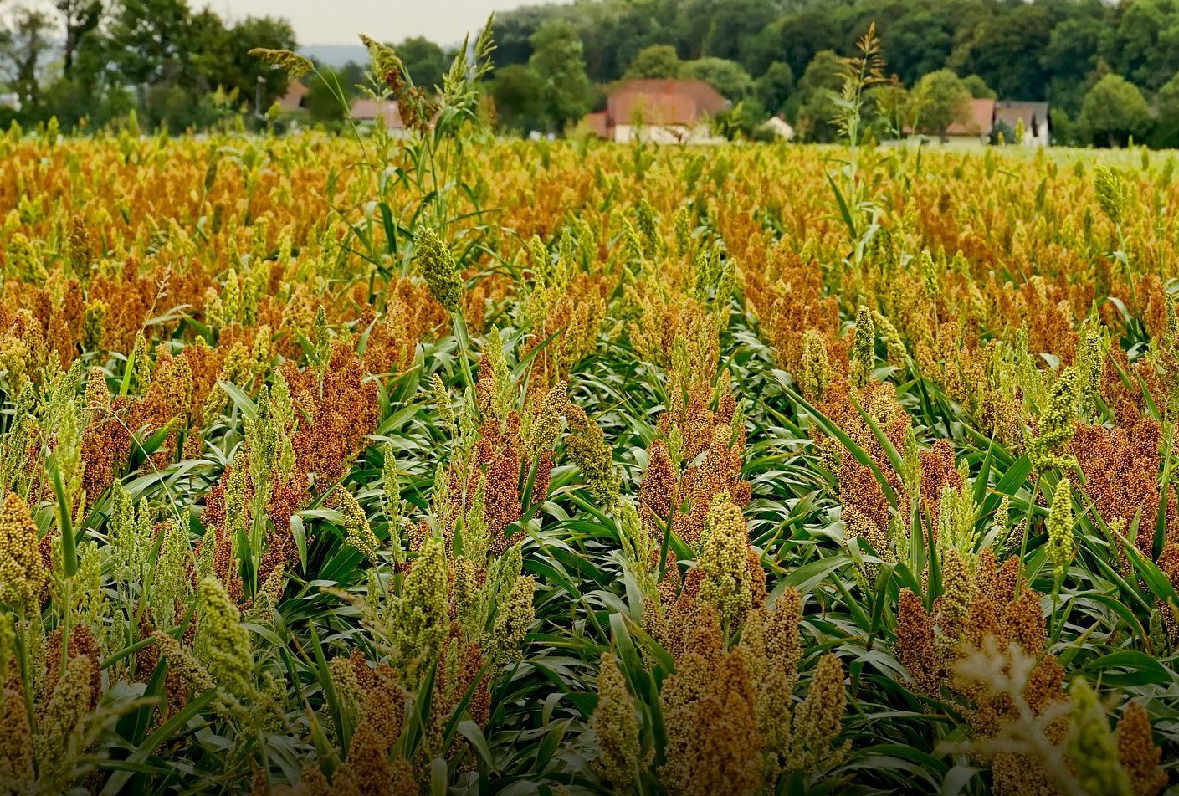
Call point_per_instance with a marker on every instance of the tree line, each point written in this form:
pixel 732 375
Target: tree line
pixel 94 62
pixel 1110 71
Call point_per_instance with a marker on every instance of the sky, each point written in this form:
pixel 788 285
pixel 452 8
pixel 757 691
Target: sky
pixel 339 21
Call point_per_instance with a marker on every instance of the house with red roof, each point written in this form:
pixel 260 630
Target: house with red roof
pixel 384 112
pixel 985 114
pixel 659 111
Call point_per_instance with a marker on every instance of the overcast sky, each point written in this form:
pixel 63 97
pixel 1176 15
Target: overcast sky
pixel 339 21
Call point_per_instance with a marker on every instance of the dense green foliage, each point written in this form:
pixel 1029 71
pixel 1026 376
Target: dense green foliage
pixel 1046 50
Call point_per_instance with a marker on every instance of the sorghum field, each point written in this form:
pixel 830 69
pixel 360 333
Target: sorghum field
pixel 446 464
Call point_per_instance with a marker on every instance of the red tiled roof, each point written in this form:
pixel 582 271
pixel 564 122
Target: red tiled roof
pixel 982 111
pixel 598 124
pixel 364 110
pixel 664 102
pixel 293 99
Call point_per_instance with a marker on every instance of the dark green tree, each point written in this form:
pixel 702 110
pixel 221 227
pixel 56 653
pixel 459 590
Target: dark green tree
pixel 657 61
pixel 917 43
pixel 736 25
pixel 557 61
pixel 323 95
pixel 727 77
pixel 24 49
pixel 978 87
pixel 1167 123
pixel 816 97
pixel 425 60
pixel 1114 111
pixel 1005 52
pixel 78 18
pixel 774 87
pixel 1145 48
pixel 940 99
pixel 519 96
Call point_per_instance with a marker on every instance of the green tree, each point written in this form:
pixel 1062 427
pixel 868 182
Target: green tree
pixel 24 48
pixel 727 77
pixel 917 43
pixel 1073 52
pixel 735 26
pixel 323 100
pixel 1005 51
pixel 249 74
pixel 149 41
pixel 978 87
pixel 1064 129
pixel 78 18
pixel 818 90
pixel 1167 123
pixel 1113 112
pixel 425 60
pixel 940 99
pixel 519 96
pixel 802 36
pixel 1146 46
pixel 894 109
pixel 773 88
pixel 744 121
pixel 659 61
pixel 557 61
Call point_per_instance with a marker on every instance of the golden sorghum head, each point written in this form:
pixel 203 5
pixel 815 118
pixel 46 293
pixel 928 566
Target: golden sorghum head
pixel 862 357
pixel 587 447
pixel 657 492
pixel 22 571
pixel 616 726
pixel 357 532
pixel 418 618
pixel 1111 193
pixel 771 645
pixel 16 752
pixel 953 606
pixel 94 325
pixel 292 63
pixel 815 371
pixel 1092 747
pixel 1089 366
pixel 1137 752
pixel 897 353
pixel 391 490
pixel 61 729
pixel 1061 544
pixel 98 396
pixel 818 720
pixel 383 62
pixel 546 424
pixel 171 585
pixel 915 645
pixel 181 662
pixel 222 644
pixel 1057 425
pixel 709 710
pixel 437 265
pixel 724 561
pixel 514 615
pixel 368 760
pixel 440 397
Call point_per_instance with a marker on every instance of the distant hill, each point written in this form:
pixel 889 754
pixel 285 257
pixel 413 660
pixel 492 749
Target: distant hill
pixel 335 54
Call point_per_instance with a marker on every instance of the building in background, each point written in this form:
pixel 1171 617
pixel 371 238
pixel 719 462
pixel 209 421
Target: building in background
pixel 295 99
pixel 370 111
pixel 659 111
pixel 1032 117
